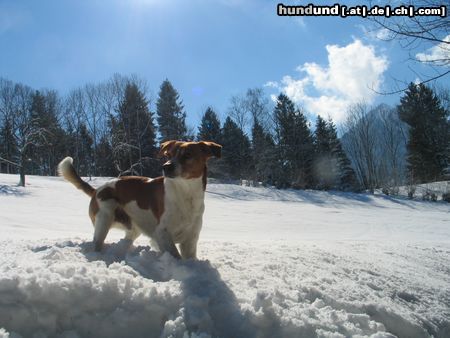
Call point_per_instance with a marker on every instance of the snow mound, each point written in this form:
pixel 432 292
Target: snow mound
pixel 65 289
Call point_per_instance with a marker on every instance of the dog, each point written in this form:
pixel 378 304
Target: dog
pixel 169 209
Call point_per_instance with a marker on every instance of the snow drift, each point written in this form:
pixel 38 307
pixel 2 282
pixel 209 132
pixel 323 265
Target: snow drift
pixel 272 264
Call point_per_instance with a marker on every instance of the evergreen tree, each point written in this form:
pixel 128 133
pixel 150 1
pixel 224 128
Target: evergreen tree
pixel 332 168
pixel 295 145
pixel 235 151
pixel 105 162
pixel 428 140
pixel 342 169
pixel 134 135
pixel 170 115
pixel 8 147
pixel 263 153
pixel 325 164
pixel 209 129
pixel 85 155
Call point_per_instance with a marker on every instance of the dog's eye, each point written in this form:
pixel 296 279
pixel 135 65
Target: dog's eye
pixel 187 156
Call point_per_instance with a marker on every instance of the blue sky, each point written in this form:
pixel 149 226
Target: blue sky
pixel 209 50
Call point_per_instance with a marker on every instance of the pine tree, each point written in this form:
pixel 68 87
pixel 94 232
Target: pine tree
pixel 134 135
pixel 428 140
pixel 332 168
pixel 8 147
pixel 342 169
pixel 295 145
pixel 105 162
pixel 263 153
pixel 235 151
pixel 85 154
pixel 324 163
pixel 209 129
pixel 170 115
pixel 258 147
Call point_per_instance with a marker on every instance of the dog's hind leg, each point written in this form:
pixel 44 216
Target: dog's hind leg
pixel 103 221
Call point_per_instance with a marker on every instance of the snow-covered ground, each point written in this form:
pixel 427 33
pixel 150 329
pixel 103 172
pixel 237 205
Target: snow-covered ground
pixel 438 188
pixel 271 264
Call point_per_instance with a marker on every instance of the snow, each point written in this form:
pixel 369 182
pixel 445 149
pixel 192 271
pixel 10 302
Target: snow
pixel 271 264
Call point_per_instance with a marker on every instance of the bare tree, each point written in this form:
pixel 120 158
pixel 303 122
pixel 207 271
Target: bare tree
pixel 75 110
pixel 244 109
pixel 359 142
pixel 419 33
pixel 392 142
pixel 25 129
pixel 258 107
pixel 238 111
pixel 94 117
pixel 443 94
pixel 6 118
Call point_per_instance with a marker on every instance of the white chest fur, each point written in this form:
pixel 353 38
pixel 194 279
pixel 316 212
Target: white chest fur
pixel 184 207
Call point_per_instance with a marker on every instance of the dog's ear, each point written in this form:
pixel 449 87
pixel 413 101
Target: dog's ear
pixel 211 149
pixel 168 148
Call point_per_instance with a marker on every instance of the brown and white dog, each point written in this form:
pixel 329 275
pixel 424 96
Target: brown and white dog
pixel 169 209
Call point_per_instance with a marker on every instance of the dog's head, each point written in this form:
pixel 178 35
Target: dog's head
pixel 187 159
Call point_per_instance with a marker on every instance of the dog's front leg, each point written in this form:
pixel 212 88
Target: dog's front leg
pixel 165 241
pixel 188 248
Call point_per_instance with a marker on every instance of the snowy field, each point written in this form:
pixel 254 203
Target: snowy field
pixel 271 264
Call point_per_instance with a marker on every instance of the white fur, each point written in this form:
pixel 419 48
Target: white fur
pixel 65 165
pixel 184 201
pixel 64 168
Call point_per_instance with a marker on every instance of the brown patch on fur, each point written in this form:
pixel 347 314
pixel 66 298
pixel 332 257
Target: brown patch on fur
pixel 121 216
pixel 107 194
pixel 93 208
pixel 169 148
pixel 147 194
pixel 211 148
pixel 192 156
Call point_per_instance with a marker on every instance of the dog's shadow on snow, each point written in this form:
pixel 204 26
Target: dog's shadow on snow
pixel 210 305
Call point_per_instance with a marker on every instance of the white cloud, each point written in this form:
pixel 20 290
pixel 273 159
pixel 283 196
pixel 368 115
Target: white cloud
pixel 354 72
pixel 382 34
pixel 375 34
pixel 271 84
pixel 439 54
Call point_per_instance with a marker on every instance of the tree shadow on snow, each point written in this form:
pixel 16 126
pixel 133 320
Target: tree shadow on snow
pixel 10 190
pixel 330 198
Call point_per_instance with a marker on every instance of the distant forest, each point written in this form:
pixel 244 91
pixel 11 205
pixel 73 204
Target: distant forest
pixel 110 129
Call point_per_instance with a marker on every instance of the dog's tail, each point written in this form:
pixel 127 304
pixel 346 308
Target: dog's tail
pixel 66 170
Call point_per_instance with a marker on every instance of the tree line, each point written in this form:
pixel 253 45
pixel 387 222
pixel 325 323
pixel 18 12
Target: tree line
pixel 110 130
